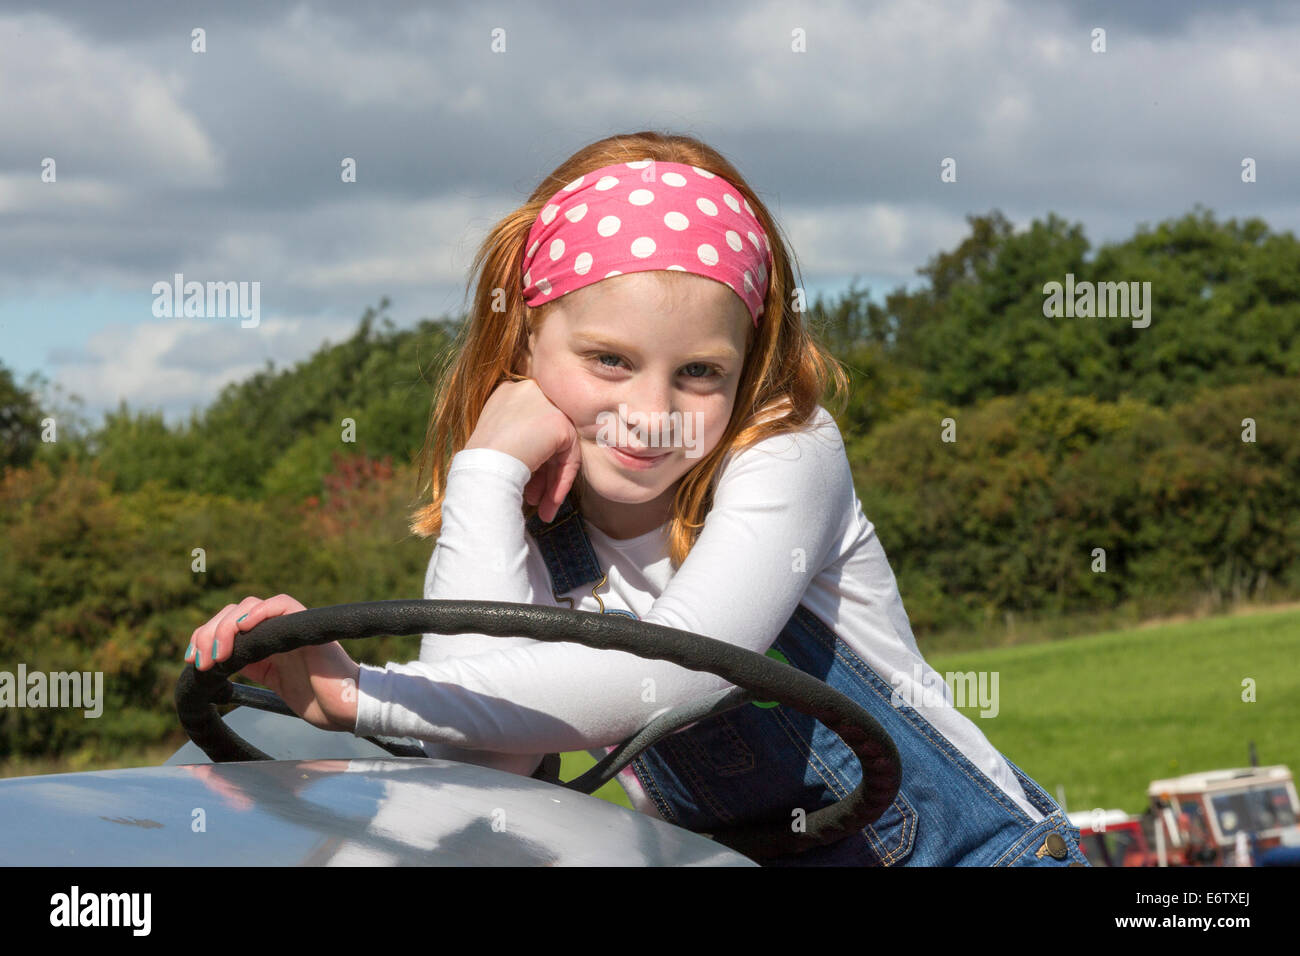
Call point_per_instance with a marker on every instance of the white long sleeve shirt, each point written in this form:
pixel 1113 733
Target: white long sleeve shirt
pixel 786 527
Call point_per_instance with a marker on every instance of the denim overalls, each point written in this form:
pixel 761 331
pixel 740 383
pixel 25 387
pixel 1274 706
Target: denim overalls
pixel 761 760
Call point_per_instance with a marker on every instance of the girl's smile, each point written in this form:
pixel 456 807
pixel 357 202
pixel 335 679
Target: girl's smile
pixel 639 461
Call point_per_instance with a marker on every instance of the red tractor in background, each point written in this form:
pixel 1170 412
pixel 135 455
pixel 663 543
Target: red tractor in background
pixel 1239 817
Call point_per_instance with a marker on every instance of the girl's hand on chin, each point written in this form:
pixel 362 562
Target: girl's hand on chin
pixel 520 420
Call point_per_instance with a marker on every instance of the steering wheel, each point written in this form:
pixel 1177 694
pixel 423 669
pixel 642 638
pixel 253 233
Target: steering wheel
pixel 755 676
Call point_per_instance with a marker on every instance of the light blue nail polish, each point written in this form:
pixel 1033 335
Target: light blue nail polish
pixel 198 657
pixel 237 620
pixel 215 644
pixel 189 650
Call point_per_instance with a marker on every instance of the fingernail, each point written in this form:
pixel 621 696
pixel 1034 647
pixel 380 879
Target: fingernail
pixel 189 650
pixel 237 620
pixel 215 644
pixel 198 657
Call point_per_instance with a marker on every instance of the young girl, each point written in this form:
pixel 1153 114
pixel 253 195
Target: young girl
pixel 631 425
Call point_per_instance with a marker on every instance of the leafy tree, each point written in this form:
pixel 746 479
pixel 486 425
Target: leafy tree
pixel 20 419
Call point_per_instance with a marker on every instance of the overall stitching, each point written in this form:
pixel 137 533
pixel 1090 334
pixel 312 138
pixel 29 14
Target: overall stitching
pixel 660 801
pixel 1036 794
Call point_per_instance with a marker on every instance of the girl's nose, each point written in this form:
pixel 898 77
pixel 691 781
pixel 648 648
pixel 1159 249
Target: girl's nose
pixel 648 396
pixel 650 405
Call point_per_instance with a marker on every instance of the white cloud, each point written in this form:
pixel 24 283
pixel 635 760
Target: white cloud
pixel 93 105
pixel 384 242
pixel 21 192
pixel 876 238
pixel 175 364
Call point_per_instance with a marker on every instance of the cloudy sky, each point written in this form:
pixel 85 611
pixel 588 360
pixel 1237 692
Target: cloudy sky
pixel 225 165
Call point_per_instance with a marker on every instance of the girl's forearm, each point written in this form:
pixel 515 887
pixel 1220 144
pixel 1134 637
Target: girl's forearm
pixel 339 701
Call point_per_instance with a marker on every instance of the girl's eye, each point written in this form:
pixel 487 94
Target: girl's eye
pixel 708 370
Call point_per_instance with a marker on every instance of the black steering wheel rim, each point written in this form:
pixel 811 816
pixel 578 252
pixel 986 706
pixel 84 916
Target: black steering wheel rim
pixel 198 692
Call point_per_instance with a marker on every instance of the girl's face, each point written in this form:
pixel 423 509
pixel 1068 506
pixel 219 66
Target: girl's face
pixel 645 349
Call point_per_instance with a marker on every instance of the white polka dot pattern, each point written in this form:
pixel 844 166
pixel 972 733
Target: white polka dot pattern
pixel 644 216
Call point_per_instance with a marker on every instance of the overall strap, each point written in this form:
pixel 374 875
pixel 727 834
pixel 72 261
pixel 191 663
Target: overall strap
pixel 571 562
pixel 570 559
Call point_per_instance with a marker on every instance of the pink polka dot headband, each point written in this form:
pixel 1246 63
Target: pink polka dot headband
pixel 643 216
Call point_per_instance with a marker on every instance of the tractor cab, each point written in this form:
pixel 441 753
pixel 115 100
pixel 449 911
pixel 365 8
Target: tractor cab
pixel 1224 817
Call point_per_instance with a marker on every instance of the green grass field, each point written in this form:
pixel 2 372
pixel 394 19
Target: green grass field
pixel 1105 714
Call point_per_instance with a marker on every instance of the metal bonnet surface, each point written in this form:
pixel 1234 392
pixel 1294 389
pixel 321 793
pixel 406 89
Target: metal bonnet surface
pixel 334 809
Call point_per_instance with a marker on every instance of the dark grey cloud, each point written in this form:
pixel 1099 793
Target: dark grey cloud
pixel 139 19
pixel 1163 18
